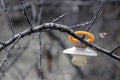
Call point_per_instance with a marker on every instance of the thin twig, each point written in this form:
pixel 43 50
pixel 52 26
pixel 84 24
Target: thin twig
pixel 40 55
pixel 34 13
pixel 40 59
pixel 40 13
pixel 58 18
pixel 95 17
pixel 8 51
pixel 40 43
pixel 1 43
pixel 24 48
pixel 79 25
pixel 8 17
pixel 118 46
pixel 25 13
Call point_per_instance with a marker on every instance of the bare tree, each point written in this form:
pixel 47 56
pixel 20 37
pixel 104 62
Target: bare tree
pixel 37 9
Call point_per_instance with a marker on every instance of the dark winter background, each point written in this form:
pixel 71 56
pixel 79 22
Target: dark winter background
pixel 23 59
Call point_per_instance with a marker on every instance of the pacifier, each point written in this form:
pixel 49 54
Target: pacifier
pixel 80 50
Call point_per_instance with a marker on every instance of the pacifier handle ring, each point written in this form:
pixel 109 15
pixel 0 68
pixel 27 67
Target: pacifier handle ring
pixel 74 40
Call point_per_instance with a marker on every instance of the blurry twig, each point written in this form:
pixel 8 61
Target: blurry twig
pixel 41 73
pixel 79 25
pixel 25 13
pixel 1 43
pixel 8 17
pixel 95 17
pixel 118 46
pixel 58 18
pixel 40 60
pixel 40 13
pixel 34 13
pixel 8 51
pixel 24 48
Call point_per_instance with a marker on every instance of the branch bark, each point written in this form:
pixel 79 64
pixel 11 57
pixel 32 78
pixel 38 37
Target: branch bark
pixel 62 28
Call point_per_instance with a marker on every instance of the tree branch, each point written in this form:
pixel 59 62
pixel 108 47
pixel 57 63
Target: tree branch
pixel 8 51
pixel 62 28
pixel 118 46
pixel 8 17
pixel 25 13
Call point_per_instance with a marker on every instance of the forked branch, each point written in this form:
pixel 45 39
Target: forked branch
pixel 62 28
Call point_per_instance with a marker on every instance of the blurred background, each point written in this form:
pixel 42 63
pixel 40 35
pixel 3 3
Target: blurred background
pixel 22 62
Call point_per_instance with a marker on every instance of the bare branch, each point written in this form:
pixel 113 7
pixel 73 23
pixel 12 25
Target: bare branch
pixel 58 18
pixel 24 48
pixel 8 51
pixel 96 15
pixel 34 13
pixel 40 13
pixel 1 43
pixel 62 28
pixel 118 46
pixel 40 55
pixel 25 13
pixel 79 25
pixel 8 17
pixel 41 73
